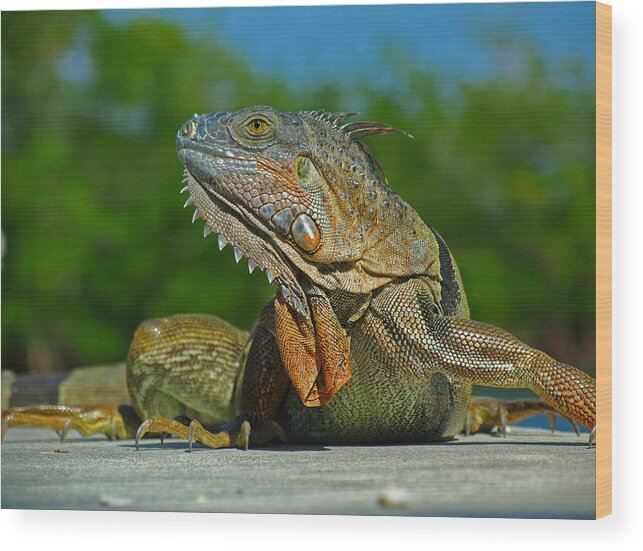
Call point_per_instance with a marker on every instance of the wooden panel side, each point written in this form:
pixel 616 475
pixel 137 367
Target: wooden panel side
pixel 604 259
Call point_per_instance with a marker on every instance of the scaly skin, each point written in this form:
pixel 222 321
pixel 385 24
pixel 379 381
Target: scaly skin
pixel 368 338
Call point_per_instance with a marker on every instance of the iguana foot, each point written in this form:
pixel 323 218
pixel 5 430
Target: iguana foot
pixel 196 432
pixel 491 415
pixel 235 434
pixel 114 422
pixel 199 434
pixel 486 415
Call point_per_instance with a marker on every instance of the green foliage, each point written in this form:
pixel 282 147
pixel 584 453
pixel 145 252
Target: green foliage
pixel 97 240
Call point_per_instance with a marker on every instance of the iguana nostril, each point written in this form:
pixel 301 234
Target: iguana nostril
pixel 305 232
pixel 187 130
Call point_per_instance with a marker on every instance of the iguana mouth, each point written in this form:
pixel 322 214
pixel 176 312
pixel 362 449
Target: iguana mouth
pixel 233 227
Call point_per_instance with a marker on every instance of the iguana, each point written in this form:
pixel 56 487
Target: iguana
pixel 368 339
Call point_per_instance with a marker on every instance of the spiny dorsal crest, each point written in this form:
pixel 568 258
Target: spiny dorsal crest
pixel 355 131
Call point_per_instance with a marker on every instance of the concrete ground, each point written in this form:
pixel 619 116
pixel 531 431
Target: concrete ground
pixel 531 473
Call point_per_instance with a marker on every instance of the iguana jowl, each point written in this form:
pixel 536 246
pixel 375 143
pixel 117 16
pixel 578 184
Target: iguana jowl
pixel 368 338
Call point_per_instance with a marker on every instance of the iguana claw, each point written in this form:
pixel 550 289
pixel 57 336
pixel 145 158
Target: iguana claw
pixel 502 421
pixel 592 438
pixel 552 423
pixel 62 432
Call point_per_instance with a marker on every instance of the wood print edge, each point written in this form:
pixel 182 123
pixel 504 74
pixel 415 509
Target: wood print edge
pixel 604 259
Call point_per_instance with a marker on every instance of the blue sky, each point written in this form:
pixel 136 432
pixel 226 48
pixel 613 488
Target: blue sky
pixel 306 45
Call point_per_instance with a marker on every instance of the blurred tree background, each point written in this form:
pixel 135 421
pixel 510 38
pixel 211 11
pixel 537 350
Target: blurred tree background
pixel 96 240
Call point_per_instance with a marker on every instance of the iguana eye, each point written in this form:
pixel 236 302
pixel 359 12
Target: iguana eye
pixel 257 126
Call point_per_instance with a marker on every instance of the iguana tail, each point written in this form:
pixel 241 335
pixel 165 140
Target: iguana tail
pixel 83 386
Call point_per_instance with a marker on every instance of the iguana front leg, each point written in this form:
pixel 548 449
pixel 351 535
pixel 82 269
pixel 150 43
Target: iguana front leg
pixel 479 353
pixel 482 354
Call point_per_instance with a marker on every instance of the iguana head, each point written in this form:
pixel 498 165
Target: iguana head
pixel 303 199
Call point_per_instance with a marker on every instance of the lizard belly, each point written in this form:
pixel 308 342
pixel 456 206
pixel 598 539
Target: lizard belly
pixel 384 402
